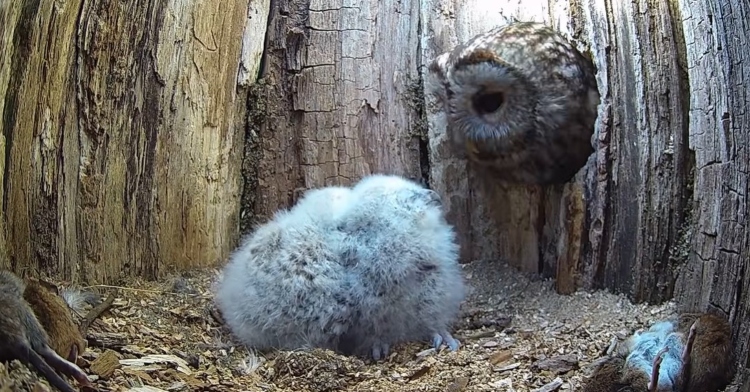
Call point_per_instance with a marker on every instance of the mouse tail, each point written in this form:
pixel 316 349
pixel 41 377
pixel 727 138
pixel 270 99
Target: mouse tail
pixel 24 352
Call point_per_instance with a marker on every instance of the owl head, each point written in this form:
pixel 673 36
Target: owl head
pixel 520 100
pixel 326 202
pixel 483 96
pixel 394 200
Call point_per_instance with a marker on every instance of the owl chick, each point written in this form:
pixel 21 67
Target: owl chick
pixel 404 257
pixel 323 204
pixel 284 287
pixel 691 354
pixel 520 102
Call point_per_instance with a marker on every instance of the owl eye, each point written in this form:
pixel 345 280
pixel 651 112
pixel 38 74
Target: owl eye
pixel 488 102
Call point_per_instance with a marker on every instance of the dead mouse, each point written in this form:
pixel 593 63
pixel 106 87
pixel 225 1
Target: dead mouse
pixel 22 337
pixel 692 353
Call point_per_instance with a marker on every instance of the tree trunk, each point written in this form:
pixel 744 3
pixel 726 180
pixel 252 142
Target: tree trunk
pixel 659 210
pixel 715 275
pixel 121 127
pixel 335 101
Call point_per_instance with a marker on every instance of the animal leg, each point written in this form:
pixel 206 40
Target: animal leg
pixel 686 351
pixel 73 354
pixel 689 344
pixel 447 338
pixel 653 384
pixel 23 351
pixel 380 351
pixel 65 367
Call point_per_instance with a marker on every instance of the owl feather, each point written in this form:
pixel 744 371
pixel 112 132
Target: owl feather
pixel 520 103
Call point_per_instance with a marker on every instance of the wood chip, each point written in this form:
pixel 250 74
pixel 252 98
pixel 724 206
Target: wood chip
pixel 106 364
pixel 552 386
pixel 458 385
pixel 427 352
pixel 38 387
pixel 146 388
pixel 508 367
pixel 505 384
pixel 558 364
pixel 479 335
pixel 612 346
pixel 182 365
pixel 501 357
pixel 498 323
pixel 419 373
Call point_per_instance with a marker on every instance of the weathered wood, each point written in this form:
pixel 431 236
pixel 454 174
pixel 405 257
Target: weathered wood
pixel 253 41
pixel 38 109
pixel 716 274
pixel 334 102
pixel 253 48
pixel 650 103
pixel 660 208
pixel 121 127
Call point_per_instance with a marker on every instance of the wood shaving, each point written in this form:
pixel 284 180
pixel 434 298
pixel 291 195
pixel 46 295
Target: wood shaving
pixel 516 334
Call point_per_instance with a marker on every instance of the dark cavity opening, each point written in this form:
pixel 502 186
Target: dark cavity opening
pixel 485 103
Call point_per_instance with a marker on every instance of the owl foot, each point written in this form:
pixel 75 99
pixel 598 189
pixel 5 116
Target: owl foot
pixel 447 338
pixel 380 351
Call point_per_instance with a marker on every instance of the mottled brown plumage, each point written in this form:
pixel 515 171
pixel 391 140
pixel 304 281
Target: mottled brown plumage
pixel 520 102
pixel 23 338
pixel 55 317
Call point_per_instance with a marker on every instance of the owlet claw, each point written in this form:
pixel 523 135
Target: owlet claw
pixel 447 338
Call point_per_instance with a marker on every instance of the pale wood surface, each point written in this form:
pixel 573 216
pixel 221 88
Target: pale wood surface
pixel 121 135
pixel 334 100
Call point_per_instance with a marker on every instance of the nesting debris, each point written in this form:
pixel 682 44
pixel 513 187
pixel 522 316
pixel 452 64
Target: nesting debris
pixel 558 364
pixel 516 335
pixel 318 370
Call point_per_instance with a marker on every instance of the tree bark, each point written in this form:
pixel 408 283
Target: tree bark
pixel 659 210
pixel 121 127
pixel 716 273
pixel 334 101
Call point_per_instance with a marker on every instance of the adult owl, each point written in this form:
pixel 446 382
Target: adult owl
pixel 520 101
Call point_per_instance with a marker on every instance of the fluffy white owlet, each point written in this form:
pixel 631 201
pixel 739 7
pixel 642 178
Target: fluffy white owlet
pixel 520 101
pixel 403 254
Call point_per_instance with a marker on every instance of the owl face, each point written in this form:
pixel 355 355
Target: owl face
pixel 520 100
pixel 486 98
